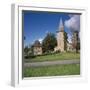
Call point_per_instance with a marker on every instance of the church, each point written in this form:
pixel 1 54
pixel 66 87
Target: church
pixel 37 47
pixel 61 40
pixel 60 37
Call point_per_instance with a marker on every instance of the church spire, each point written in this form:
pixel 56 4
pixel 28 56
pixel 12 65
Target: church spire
pixel 61 25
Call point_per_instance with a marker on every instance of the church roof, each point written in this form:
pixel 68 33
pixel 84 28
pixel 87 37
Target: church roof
pixel 61 25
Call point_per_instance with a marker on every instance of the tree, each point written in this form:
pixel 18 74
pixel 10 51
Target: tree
pixel 76 41
pixel 49 42
pixel 78 47
pixel 26 50
pixel 78 44
pixel 65 40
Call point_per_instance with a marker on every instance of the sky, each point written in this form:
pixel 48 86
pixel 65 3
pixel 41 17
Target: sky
pixel 37 24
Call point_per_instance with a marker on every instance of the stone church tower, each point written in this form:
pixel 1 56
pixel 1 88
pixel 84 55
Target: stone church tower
pixel 60 37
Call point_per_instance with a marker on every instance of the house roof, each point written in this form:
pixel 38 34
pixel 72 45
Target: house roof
pixel 37 44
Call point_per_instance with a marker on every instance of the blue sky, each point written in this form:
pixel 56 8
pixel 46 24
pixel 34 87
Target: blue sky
pixel 37 24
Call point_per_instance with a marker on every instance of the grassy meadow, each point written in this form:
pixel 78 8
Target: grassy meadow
pixel 56 56
pixel 59 70
pixel 73 69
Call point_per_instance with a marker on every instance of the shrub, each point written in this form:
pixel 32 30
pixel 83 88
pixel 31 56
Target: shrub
pixel 58 51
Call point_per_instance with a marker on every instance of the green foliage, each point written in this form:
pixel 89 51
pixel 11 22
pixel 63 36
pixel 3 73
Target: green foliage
pixel 49 43
pixel 78 46
pixel 29 52
pixel 55 56
pixel 65 40
pixel 58 51
pixel 26 50
pixel 76 43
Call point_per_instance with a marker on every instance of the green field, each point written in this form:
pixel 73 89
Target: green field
pixel 58 56
pixel 73 69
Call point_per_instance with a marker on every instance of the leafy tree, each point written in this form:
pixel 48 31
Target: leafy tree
pixel 26 50
pixel 76 42
pixel 31 49
pixel 49 42
pixel 78 47
pixel 65 40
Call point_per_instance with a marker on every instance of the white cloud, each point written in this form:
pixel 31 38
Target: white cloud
pixel 73 23
pixel 40 40
pixel 69 38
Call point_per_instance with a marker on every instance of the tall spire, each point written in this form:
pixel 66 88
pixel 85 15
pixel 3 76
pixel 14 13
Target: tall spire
pixel 61 25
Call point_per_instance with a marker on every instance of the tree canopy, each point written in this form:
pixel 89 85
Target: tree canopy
pixel 49 42
pixel 65 40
